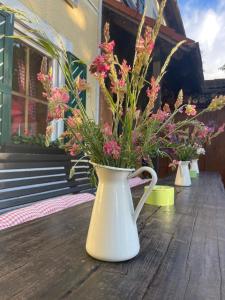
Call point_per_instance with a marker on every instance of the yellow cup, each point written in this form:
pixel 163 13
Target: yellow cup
pixel 161 195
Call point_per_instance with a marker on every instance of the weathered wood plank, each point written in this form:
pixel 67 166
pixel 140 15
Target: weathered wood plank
pixel 182 253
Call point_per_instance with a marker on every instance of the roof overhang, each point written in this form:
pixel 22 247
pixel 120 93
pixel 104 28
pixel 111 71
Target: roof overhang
pixel 129 19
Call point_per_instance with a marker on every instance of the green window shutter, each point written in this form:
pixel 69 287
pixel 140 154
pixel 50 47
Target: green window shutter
pixel 6 58
pixel 78 69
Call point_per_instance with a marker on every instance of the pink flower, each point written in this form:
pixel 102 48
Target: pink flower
pixel 107 47
pixel 71 122
pixel 112 148
pixel 44 78
pixel 41 77
pixel 59 95
pixel 74 150
pixel 146 44
pixel 160 115
pixel 154 90
pixel 107 129
pixel 150 47
pixel 119 86
pixel 100 66
pixel 148 40
pixel 190 110
pixel 125 68
pixel 59 112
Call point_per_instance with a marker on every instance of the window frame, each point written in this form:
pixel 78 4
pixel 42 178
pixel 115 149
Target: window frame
pixel 58 78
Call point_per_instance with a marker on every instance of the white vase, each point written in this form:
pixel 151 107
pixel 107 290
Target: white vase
pixel 194 166
pixel 183 174
pixel 112 234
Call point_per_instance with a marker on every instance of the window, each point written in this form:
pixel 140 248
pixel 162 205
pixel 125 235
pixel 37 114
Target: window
pixel 29 107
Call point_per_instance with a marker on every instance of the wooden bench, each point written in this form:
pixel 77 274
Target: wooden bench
pixel 26 178
pixel 37 185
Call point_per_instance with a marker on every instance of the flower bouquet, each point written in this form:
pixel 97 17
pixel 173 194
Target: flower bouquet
pixel 117 148
pixel 189 143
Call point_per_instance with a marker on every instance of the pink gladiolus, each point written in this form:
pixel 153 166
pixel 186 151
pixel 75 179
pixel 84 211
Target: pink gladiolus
pixel 59 95
pixel 119 86
pixel 125 68
pixel 59 112
pixel 112 148
pixel 154 90
pixel 100 66
pixel 150 47
pixel 107 47
pixel 44 78
pixel 107 129
pixel 190 110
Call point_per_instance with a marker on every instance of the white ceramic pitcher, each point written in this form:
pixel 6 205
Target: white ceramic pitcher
pixel 183 174
pixel 112 234
pixel 194 166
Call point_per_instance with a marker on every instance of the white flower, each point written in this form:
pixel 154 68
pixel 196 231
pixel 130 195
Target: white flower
pixel 201 151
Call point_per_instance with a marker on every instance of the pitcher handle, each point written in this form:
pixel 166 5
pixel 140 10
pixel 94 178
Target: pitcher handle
pixel 149 190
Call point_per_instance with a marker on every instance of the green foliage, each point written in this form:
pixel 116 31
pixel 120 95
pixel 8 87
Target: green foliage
pixel 39 140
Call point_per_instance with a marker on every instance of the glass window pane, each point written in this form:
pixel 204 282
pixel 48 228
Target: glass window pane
pixel 37 118
pixel 19 67
pixel 18 115
pixel 35 87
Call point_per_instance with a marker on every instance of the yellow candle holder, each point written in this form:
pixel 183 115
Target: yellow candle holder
pixel 161 195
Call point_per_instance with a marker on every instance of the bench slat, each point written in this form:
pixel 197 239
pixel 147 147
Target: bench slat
pixel 29 165
pixel 18 157
pixel 29 191
pixel 34 198
pixel 27 182
pixel 21 174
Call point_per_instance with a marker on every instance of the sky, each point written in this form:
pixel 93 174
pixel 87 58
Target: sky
pixel 204 22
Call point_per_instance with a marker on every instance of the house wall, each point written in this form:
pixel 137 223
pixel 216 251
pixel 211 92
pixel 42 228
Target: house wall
pixel 79 27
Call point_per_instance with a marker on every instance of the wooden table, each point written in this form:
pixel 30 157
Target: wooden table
pixel 182 253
